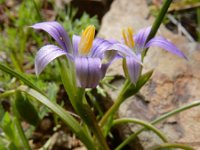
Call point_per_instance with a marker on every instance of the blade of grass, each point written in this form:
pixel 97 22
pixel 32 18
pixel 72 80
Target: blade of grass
pixel 158 22
pixel 159 119
pixel 20 76
pixel 143 123
pixel 64 115
pixel 172 145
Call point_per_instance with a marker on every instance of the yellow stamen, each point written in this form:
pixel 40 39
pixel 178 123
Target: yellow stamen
pixel 86 41
pixel 128 37
pixel 124 36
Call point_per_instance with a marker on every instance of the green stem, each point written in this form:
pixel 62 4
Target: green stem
pixel 159 119
pixel 88 117
pixel 173 145
pixel 143 123
pixel 115 106
pixel 158 22
pixel 127 90
pixel 77 99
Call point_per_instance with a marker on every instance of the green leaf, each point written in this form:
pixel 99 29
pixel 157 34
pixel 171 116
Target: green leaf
pixel 143 123
pixel 132 89
pixel 20 76
pixel 68 76
pixel 25 109
pixel 2 145
pixel 64 115
pixel 9 129
pixel 143 79
pixel 12 146
pixel 7 126
pixel 76 97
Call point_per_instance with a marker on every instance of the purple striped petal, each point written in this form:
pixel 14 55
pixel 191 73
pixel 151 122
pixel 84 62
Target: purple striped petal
pixel 165 44
pixel 45 55
pixel 75 41
pixel 99 47
pixel 141 37
pixel 125 51
pixel 133 69
pixel 57 32
pixel 122 49
pixel 88 71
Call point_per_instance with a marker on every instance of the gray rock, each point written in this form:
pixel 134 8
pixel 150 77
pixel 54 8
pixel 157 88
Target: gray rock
pixel 175 81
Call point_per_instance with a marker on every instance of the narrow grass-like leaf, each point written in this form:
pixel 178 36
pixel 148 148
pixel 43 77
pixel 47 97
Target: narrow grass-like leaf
pixel 64 115
pixel 143 123
pixel 133 89
pixel 128 90
pixel 25 109
pixel 167 146
pixel 20 76
pixel 159 119
pixel 10 131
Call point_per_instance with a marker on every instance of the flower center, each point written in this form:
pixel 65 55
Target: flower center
pixel 86 41
pixel 128 37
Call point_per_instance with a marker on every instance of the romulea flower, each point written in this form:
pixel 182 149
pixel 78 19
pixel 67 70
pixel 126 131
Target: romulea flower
pixel 89 54
pixel 134 46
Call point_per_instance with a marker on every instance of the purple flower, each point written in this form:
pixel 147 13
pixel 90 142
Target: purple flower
pixel 91 56
pixel 135 45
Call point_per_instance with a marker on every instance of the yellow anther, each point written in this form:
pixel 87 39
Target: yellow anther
pixel 86 41
pixel 124 36
pixel 128 37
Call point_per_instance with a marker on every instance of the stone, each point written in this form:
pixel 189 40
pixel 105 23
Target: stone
pixel 174 83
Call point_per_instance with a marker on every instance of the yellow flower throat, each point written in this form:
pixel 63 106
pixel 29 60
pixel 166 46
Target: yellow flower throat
pixel 128 37
pixel 86 41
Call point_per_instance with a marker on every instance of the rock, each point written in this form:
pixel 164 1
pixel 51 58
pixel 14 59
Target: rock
pixel 175 81
pixel 92 7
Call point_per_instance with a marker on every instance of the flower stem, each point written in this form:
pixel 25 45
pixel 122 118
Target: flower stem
pixel 173 145
pixel 77 99
pixel 158 22
pixel 143 123
pixel 115 106
pixel 88 117
pixel 159 119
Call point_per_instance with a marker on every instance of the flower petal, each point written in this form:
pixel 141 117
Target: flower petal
pixel 99 47
pixel 125 51
pixel 45 55
pixel 75 41
pixel 133 69
pixel 88 71
pixel 141 37
pixel 122 49
pixel 165 44
pixel 57 32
